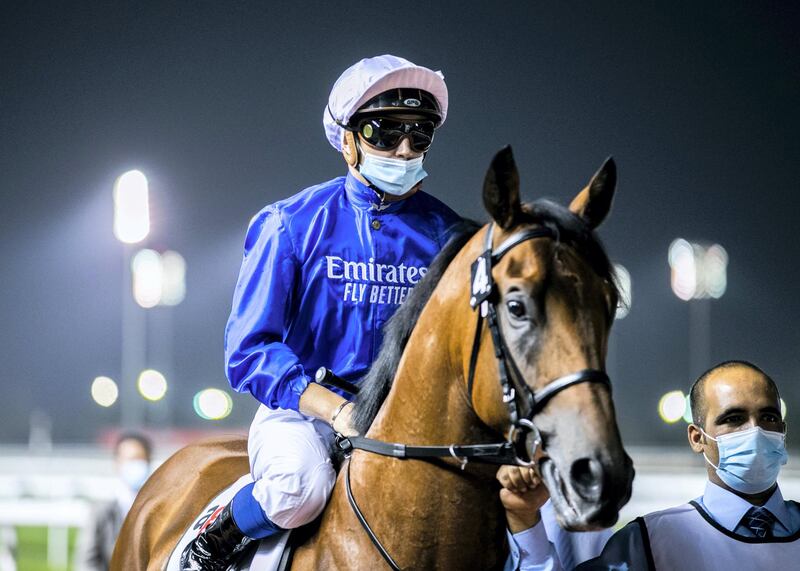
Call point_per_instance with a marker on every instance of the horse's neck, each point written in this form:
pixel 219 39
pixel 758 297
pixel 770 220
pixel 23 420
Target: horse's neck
pixel 427 515
pixel 428 401
pixel 450 514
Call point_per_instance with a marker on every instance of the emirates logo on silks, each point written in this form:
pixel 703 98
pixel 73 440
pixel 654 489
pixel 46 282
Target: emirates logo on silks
pixel 482 284
pixel 373 282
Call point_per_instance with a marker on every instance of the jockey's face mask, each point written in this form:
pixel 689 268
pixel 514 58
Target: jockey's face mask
pixel 386 133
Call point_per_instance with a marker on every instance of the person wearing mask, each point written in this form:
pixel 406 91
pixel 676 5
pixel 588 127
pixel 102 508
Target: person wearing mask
pixel 323 271
pixel 132 460
pixel 742 520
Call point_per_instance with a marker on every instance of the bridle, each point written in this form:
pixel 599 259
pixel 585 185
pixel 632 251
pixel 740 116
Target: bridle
pixel 522 402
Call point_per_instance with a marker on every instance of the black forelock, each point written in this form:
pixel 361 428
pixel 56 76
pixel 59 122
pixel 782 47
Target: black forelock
pixel 573 231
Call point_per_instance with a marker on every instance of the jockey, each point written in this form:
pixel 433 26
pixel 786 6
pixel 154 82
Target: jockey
pixel 322 272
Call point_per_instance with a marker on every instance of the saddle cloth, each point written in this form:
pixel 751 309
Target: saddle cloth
pixel 270 550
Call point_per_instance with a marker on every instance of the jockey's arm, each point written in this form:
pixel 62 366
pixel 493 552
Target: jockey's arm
pixel 326 405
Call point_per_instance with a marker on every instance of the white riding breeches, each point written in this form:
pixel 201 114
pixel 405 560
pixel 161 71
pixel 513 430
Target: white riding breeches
pixel 291 465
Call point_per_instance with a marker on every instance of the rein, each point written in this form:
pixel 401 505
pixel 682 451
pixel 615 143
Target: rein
pixel 523 403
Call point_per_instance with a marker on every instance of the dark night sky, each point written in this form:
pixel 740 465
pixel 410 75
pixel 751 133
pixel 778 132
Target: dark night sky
pixel 220 104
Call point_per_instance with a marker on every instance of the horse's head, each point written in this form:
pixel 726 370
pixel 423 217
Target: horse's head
pixel 555 299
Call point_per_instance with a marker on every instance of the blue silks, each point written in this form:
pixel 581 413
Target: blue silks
pixel 322 272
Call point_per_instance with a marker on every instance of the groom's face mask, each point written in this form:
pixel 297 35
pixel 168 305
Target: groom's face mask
pixel 749 460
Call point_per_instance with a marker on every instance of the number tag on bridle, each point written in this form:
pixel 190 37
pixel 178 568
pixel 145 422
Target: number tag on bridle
pixel 482 284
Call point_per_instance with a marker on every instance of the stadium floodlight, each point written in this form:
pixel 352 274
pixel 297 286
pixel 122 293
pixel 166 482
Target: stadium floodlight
pixel 173 285
pixel 158 279
pixel 697 271
pixel 698 274
pixel 625 291
pixel 104 391
pixel 715 271
pixel 152 385
pixel 147 278
pixel 683 269
pixel 212 404
pixel 131 207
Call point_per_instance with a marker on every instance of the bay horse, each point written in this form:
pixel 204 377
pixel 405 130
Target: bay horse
pixel 549 296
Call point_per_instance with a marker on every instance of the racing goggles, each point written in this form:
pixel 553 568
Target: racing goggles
pixel 385 133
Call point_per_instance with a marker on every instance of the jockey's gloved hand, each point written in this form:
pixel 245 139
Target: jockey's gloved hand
pixel 342 420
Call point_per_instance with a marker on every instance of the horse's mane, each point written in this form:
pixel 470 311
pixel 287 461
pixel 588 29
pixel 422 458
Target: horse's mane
pixel 570 229
pixel 398 329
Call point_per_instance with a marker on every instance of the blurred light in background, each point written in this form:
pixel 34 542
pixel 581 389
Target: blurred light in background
pixel 684 273
pixel 152 385
pixel 715 274
pixel 783 409
pixel 698 272
pixel 212 404
pixel 687 415
pixel 624 284
pixel 147 278
pixel 131 208
pixel 173 271
pixel 104 391
pixel 158 279
pixel 672 406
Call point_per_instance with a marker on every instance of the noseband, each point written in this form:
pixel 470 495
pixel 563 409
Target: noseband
pixel 522 402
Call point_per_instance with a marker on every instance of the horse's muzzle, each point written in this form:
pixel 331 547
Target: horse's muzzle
pixel 591 493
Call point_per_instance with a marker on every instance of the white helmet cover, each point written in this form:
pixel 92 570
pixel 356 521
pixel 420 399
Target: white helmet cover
pixel 370 77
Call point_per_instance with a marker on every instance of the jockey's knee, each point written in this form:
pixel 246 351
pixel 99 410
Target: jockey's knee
pixel 296 494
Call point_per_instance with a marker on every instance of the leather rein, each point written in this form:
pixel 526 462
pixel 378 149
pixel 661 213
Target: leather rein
pixel 522 402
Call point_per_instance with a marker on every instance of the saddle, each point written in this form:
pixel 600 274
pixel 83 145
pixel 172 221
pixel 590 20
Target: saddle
pixel 273 553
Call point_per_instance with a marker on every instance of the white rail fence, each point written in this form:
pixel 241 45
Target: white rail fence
pixel 56 490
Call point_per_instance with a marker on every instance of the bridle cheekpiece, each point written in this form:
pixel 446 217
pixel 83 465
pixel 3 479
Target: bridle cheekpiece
pixel 522 402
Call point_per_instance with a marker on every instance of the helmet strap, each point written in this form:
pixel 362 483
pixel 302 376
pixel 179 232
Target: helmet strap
pixel 350 151
pixel 357 146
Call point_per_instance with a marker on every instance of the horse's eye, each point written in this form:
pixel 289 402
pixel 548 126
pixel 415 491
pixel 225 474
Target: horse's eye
pixel 516 308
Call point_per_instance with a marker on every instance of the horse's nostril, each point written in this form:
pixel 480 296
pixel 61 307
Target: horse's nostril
pixel 587 478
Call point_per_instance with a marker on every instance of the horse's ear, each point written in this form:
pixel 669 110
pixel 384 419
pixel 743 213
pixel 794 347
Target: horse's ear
pixel 501 189
pixel 593 202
